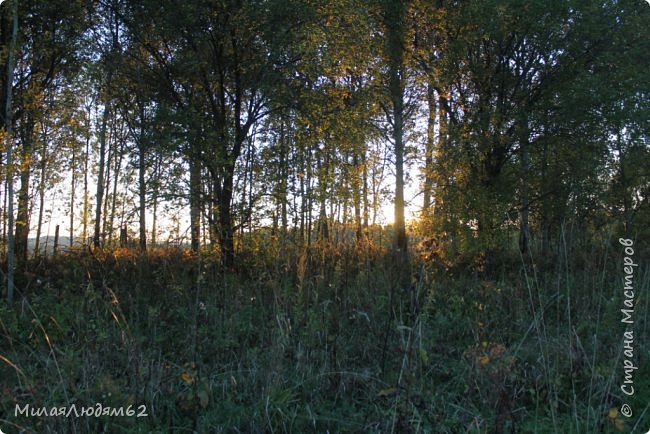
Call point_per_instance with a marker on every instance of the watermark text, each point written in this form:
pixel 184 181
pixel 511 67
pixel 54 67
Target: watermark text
pixel 97 410
pixel 629 367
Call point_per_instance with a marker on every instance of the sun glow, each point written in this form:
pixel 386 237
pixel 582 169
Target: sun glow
pixel 386 211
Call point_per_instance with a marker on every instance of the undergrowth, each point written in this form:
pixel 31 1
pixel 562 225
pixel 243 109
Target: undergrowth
pixel 325 339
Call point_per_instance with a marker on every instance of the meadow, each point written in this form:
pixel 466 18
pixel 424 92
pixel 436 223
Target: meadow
pixel 326 338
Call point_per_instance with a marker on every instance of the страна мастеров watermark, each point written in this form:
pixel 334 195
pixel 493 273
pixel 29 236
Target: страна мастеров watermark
pixel 627 386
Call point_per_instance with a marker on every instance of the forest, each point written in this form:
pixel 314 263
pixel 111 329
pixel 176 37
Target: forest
pixel 301 216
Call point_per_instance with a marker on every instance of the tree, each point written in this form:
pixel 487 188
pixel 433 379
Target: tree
pixel 394 15
pixel 137 106
pixel 49 52
pixel 110 56
pixel 8 124
pixel 524 130
pixel 222 72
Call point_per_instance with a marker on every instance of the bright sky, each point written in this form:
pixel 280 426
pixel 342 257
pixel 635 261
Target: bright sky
pixel 58 201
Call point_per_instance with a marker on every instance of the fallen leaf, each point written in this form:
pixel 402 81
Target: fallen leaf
pixel 187 378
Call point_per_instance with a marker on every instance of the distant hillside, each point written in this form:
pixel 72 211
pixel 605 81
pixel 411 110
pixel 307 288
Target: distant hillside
pixel 46 244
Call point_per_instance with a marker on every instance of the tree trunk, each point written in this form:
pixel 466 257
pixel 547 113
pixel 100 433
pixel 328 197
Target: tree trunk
pixel 124 236
pixel 323 229
pixel 154 221
pixel 3 215
pixel 358 194
pixel 211 190
pixel 303 196
pixel 86 205
pixel 441 145
pixel 100 176
pixel 73 164
pixel 195 204
pixel 11 64
pixel 55 249
pixel 429 149
pixel 41 192
pixel 375 196
pixel 284 174
pixel 395 20
pixel 98 235
pixel 251 180
pixel 546 213
pixel 309 193
pixel 366 202
pixel 117 169
pixel 523 229
pixel 226 231
pixel 142 191
pixel 23 214
pixel 107 225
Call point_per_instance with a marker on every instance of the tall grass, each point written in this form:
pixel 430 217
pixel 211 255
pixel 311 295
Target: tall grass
pixel 325 339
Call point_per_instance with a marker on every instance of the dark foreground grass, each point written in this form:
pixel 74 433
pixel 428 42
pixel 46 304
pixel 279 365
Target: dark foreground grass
pixel 322 340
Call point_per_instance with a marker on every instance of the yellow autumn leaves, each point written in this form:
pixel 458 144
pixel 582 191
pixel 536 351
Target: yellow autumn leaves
pixel 486 352
pixel 196 393
pixel 188 378
pixel 614 417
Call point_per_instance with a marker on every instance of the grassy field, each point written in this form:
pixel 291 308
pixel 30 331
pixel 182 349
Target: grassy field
pixel 326 339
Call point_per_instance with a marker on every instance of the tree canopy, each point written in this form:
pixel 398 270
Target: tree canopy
pixel 301 115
